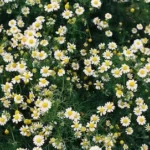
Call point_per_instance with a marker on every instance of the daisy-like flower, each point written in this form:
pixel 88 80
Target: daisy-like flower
pixel 108 33
pixel 95 59
pixel 112 45
pixel 132 85
pixel 62 30
pixel 125 68
pixel 147 67
pixel 58 54
pixel 141 120
pixel 38 140
pixel 107 54
pixel 116 72
pixel 95 118
pixel 48 8
pixel 37 25
pixel 55 6
pixel 69 113
pixel 96 20
pixel 107 64
pixel 45 72
pixel 138 44
pixel 109 107
pixel 137 111
pixel 88 70
pixel 147 127
pixel 44 42
pixel 21 67
pixel 17 117
pixel 75 66
pixel 43 82
pixel 143 107
pixel 12 23
pixel 144 147
pixel 125 121
pixel 42 55
pixel 7 87
pixel 119 93
pixel 98 85
pixel 18 98
pixel 31 42
pixel 71 47
pixel 129 130
pixel 25 10
pixel 139 101
pixel 79 11
pixel 91 125
pixel 27 76
pixel 7 57
pixel 3 120
pixel 67 14
pixel 101 110
pixel 61 72
pixel 108 16
pixel 96 3
pixel 142 73
pixel 95 148
pixel 45 105
pixel 76 126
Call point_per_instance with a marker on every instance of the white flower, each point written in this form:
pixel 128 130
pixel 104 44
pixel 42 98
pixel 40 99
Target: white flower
pixel 3 120
pixel 98 85
pixel 45 105
pixel 38 140
pixel 108 16
pixel 62 30
pixel 143 107
pixel 95 148
pixel 139 26
pixel 58 54
pixel 141 120
pixel 132 85
pixel 96 3
pixel 116 72
pixel 17 118
pixel 95 59
pixel 144 147
pixel 109 107
pixel 45 72
pixel 61 72
pixel 125 68
pixel 12 23
pixel 91 125
pixel 67 14
pixel 142 73
pixel 137 111
pixel 125 121
pixel 27 76
pixel 101 110
pixel 43 82
pixel 79 11
pixel 108 33
pixel 7 87
pixel 112 45
pixel 18 99
pixel 42 55
pixel 31 42
pixel 129 130
pixel 138 44
pixel 88 70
